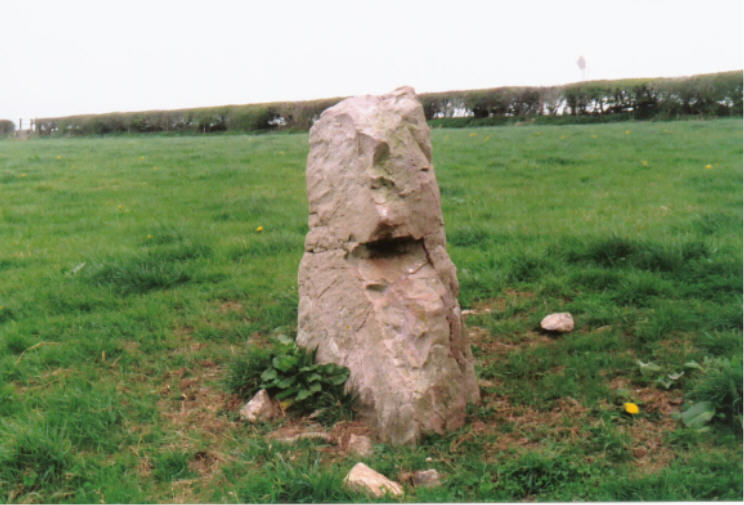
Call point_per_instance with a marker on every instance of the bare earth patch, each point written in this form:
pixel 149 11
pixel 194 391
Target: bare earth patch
pixel 192 405
pixel 647 435
pixel 196 412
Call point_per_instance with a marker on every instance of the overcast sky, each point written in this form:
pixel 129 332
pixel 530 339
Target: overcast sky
pixel 77 56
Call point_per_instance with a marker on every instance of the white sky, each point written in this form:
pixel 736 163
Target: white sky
pixel 77 56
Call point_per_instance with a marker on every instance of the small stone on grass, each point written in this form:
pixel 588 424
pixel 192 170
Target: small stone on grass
pixel 260 408
pixel 363 478
pixel 560 322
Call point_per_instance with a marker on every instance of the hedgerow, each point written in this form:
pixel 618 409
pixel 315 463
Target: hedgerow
pixel 707 95
pixel 6 127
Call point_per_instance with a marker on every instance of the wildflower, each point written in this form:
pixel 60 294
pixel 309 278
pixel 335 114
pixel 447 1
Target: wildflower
pixel 142 158
pixel 595 136
pixel 149 236
pixel 120 206
pixel 155 168
pixel 2 307
pixel 259 229
pixel 644 163
pixel 281 153
pixel 708 166
pixel 473 134
pixel 488 137
pixel 59 157
pixel 23 175
pixel 631 408
pixel 563 137
pixel 539 133
pixel 627 132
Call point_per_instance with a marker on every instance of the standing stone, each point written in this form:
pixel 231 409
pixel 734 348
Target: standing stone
pixel 377 290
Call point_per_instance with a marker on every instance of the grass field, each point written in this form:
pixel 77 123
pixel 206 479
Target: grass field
pixel 132 276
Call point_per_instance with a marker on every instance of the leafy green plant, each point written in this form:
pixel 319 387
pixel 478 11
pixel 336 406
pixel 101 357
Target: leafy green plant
pixel 661 378
pixel 716 393
pixel 291 375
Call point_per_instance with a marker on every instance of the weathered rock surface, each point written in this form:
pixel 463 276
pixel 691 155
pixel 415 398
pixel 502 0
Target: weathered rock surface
pixel 361 445
pixel 260 408
pixel 363 478
pixel 426 478
pixel 561 322
pixel 378 292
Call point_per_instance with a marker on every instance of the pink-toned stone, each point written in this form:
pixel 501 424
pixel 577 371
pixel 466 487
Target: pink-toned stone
pixel 260 408
pixel 361 445
pixel 561 322
pixel 363 478
pixel 377 290
pixel 426 478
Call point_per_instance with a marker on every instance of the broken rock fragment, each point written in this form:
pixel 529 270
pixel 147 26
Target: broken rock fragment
pixel 361 445
pixel 426 478
pixel 377 290
pixel 363 478
pixel 260 408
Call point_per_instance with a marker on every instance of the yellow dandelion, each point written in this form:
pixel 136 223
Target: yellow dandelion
pixel 708 166
pixel 644 163
pixel 631 408
pixel 2 307
pixel 595 136
pixel 142 158
pixel 281 153
pixel 23 175
pixel 627 132
pixel 155 168
pixel 120 206
pixel 59 157
pixel 539 133
pixel 149 236
pixel 259 229
pixel 563 137
pixel 473 134
pixel 487 138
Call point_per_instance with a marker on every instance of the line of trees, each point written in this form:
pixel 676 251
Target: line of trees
pixel 717 94
pixel 6 127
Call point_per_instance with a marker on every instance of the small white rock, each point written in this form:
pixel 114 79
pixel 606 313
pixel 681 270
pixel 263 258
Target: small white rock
pixel 361 445
pixel 363 478
pixel 259 408
pixel 561 322
pixel 426 478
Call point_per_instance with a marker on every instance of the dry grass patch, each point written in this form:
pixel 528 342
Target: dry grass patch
pixel 192 404
pixel 647 431
pixel 531 428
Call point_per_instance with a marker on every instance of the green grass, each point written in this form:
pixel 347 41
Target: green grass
pixel 133 279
